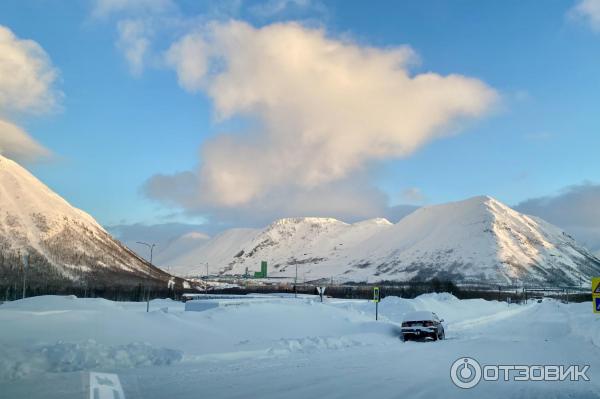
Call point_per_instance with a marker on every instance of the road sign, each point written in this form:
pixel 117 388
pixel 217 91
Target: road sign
pixel 105 386
pixel 321 291
pixel 596 294
pixel 375 294
pixel 596 286
pixel 376 300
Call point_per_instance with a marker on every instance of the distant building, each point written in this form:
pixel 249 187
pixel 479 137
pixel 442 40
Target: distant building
pixel 263 270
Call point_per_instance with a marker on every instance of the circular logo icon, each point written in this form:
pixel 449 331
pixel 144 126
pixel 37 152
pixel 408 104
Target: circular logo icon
pixel 465 372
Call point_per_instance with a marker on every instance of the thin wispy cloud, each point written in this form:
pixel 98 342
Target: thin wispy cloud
pixel 586 12
pixel 540 136
pixel 134 42
pixel 283 8
pixel 413 195
pixel 106 8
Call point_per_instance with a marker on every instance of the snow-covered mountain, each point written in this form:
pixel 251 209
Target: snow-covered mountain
pixel 478 239
pixel 63 243
pixel 218 252
pixel 183 244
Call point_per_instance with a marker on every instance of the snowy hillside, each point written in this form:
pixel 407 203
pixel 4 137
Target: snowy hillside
pixel 63 242
pixel 478 239
pixel 217 251
pixel 180 245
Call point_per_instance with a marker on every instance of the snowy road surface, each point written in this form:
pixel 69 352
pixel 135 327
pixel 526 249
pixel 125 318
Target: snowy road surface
pixel 288 348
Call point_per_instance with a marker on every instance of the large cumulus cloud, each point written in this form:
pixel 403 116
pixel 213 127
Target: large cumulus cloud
pixel 321 112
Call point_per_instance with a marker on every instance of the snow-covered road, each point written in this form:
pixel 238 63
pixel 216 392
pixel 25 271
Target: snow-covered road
pixel 288 349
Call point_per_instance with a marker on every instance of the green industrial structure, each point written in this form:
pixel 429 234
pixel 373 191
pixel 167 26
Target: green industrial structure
pixel 263 270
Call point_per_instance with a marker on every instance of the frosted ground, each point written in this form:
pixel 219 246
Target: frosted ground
pixel 286 348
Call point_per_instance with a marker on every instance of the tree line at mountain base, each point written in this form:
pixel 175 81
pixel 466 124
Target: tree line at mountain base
pixel 41 278
pixel 137 293
pixel 125 286
pixel 411 290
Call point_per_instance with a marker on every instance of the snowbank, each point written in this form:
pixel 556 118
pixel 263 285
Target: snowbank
pixel 54 334
pixel 583 322
pixel 86 355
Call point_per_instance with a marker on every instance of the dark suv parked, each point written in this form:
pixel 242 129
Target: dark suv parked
pixel 422 324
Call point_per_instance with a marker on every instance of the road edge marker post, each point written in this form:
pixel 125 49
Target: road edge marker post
pixel 376 299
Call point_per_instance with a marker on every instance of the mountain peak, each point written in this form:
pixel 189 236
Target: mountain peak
pixel 479 207
pixel 374 221
pixel 306 220
pixel 481 199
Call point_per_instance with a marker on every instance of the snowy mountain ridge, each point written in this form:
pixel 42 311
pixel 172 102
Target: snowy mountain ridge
pixel 60 239
pixel 478 239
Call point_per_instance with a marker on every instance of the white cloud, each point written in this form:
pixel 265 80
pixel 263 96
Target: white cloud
pixel 189 58
pixel 27 78
pixel 272 8
pixel 350 200
pixel 588 12
pixel 137 23
pixel 16 144
pixel 325 109
pixel 413 195
pixel 574 209
pixel 134 42
pixel 105 8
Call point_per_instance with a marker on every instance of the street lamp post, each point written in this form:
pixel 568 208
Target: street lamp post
pixel 151 246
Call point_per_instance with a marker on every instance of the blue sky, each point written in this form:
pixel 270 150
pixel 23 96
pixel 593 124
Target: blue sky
pixel 115 129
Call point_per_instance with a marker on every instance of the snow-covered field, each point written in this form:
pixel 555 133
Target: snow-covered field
pixel 287 348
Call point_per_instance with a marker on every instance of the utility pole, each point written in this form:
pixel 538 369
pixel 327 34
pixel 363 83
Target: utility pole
pixel 206 270
pixel 296 280
pixel 25 267
pixel 376 299
pixel 151 246
pixel 296 283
